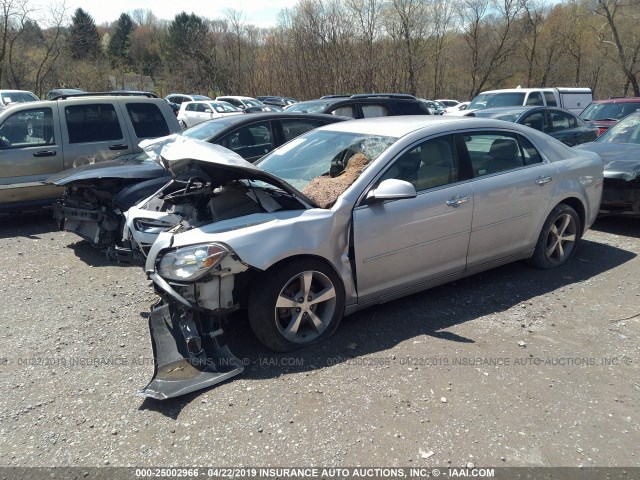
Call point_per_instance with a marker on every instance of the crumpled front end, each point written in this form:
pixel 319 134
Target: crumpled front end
pixel 187 351
pixel 88 214
pixel 186 327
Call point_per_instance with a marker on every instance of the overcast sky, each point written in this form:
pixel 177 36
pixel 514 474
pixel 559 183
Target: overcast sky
pixel 262 13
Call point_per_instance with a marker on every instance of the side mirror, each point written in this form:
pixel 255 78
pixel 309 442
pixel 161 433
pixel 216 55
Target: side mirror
pixel 208 110
pixel 391 189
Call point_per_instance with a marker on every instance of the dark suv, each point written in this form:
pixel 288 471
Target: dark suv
pixel 606 113
pixel 363 105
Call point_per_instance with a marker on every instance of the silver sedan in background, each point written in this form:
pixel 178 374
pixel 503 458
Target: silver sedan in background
pixel 352 215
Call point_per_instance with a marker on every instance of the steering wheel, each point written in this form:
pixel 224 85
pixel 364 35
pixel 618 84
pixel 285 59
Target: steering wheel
pixel 339 162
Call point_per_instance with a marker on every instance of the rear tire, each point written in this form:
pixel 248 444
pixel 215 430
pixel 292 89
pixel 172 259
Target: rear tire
pixel 558 239
pixel 296 304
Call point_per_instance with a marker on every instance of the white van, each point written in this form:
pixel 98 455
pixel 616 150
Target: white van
pixel 573 99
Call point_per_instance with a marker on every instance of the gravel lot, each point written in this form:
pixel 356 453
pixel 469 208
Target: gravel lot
pixel 516 367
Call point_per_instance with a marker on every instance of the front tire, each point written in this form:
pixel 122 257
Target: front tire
pixel 296 304
pixel 558 239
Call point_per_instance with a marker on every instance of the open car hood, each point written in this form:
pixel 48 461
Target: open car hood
pixel 621 160
pixel 179 154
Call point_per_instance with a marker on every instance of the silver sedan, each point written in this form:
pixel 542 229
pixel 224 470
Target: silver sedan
pixel 352 215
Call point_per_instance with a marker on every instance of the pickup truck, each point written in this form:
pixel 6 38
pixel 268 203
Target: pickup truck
pixel 572 99
pixel 39 139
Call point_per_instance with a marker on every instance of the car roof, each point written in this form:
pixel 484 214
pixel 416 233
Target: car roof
pixel 618 100
pixel 519 109
pixel 401 125
pixel 266 116
pixel 239 97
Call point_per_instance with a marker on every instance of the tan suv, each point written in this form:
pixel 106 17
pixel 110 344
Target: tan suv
pixel 38 139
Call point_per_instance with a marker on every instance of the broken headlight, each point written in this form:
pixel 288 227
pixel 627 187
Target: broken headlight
pixel 191 263
pixel 151 225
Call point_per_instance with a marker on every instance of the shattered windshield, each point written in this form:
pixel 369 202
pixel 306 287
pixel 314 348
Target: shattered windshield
pixel 324 159
pixel 625 131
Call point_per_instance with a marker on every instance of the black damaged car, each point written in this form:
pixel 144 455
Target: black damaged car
pixel 96 196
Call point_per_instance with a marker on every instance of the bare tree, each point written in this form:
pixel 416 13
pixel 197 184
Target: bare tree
pixel 490 39
pixel 407 24
pixel 616 13
pixel 366 18
pixel 442 14
pixel 13 14
pixel 533 20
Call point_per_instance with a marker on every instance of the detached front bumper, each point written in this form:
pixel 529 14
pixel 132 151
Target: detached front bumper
pixel 186 351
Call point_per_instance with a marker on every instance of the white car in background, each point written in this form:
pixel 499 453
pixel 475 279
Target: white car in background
pixel 193 113
pixel 16 96
pixel 458 109
pixel 248 104
pixel 449 104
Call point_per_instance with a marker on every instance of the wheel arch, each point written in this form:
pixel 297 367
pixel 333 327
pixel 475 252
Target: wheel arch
pixel 579 207
pixel 252 275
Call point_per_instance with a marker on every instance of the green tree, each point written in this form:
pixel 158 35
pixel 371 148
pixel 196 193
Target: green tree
pixel 186 36
pixel 120 43
pixel 83 40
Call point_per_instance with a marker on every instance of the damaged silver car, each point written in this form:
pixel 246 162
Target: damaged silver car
pixel 348 216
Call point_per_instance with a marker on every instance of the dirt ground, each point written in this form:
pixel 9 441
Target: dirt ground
pixel 515 367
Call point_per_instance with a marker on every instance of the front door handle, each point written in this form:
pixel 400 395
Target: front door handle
pixel 120 146
pixel 457 201
pixel 45 153
pixel 542 180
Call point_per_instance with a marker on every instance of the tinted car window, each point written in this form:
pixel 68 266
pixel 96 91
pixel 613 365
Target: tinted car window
pixel 535 98
pixel 92 123
pixel 294 127
pixel 551 99
pixel 429 165
pixel 250 141
pixel 562 121
pixel 147 120
pixel 411 108
pixel 537 120
pixel 27 128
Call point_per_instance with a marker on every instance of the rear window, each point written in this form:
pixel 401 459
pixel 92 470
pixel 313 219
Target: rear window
pixel 411 108
pixel 147 120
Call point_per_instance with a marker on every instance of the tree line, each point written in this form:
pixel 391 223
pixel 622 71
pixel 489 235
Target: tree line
pixel 429 48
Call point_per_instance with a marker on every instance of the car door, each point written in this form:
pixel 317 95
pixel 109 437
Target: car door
pixel 30 152
pixel 93 132
pixel 403 243
pixel 511 187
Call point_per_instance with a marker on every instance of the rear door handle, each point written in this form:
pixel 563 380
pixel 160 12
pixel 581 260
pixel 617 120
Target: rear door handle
pixel 542 180
pixel 457 201
pixel 120 146
pixel 45 153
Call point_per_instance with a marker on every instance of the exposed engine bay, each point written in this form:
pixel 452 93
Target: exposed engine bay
pixel 194 198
